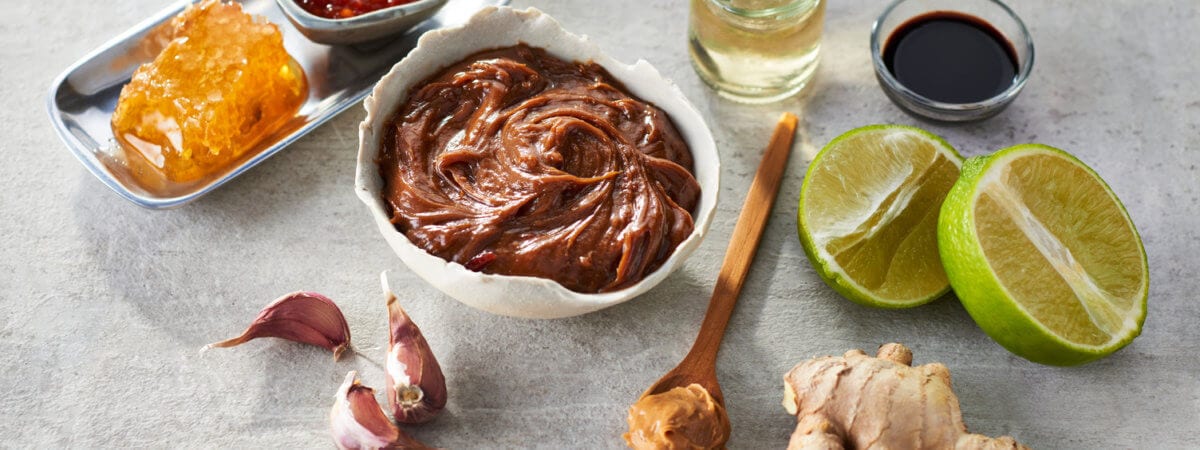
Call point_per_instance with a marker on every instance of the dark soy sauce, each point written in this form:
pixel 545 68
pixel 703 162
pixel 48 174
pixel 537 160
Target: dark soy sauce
pixel 951 57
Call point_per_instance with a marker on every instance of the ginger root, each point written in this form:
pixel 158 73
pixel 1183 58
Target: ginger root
pixel 859 402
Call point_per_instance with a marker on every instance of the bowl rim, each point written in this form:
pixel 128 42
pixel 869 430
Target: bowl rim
pixel 682 112
pixel 890 83
pixel 790 7
pixel 310 20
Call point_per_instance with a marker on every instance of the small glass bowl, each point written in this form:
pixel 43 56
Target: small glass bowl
pixel 366 27
pixel 991 11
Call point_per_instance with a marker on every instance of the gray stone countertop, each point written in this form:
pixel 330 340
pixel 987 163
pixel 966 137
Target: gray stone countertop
pixel 104 305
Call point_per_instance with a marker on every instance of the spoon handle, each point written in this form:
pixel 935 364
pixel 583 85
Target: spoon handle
pixel 743 244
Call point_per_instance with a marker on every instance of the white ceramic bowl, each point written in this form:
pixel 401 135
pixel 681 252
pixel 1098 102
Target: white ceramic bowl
pixel 501 27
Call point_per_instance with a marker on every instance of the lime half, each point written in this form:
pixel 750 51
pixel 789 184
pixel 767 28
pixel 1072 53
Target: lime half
pixel 1044 256
pixel 868 214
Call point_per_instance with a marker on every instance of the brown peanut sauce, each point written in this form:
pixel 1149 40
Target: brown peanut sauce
pixel 681 418
pixel 515 162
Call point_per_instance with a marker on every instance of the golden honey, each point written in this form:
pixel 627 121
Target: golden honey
pixel 222 84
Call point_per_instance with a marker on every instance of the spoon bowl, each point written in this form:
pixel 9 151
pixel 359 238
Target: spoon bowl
pixel 686 374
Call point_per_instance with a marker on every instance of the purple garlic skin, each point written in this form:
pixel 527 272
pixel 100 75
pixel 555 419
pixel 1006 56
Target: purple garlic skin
pixel 306 317
pixel 416 388
pixel 358 422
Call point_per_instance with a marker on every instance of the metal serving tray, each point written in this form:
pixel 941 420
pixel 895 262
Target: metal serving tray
pixel 82 99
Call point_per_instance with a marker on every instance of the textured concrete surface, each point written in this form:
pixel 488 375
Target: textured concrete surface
pixel 104 305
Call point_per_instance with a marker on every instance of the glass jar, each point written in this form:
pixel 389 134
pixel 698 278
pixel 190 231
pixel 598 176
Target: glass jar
pixel 756 51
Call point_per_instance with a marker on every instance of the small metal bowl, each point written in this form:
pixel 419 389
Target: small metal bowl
pixel 993 12
pixel 362 28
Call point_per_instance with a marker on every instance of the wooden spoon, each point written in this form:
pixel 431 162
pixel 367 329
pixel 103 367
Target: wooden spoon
pixel 700 364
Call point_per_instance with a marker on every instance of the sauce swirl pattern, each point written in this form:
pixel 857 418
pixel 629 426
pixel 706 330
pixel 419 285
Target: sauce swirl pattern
pixel 518 163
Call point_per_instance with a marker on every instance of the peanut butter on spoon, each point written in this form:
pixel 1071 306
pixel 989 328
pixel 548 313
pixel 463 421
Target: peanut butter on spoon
pixel 685 408
pixel 683 417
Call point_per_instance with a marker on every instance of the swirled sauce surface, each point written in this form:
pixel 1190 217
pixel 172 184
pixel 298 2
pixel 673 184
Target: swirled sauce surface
pixel 515 162
pixel 681 418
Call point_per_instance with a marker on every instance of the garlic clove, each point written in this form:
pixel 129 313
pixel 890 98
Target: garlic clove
pixel 358 422
pixel 306 317
pixel 417 389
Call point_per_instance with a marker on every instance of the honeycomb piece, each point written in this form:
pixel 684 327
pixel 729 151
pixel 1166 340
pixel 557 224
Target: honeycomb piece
pixel 222 84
